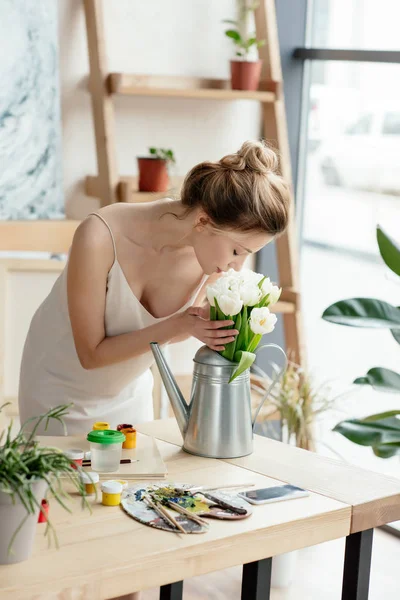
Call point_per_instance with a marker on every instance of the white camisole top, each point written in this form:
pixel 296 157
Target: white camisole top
pixel 51 373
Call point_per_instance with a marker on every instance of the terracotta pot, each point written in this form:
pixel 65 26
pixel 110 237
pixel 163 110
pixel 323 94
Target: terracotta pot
pixel 153 175
pixel 245 75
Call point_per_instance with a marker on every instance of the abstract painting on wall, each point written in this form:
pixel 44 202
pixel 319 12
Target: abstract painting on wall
pixel 30 125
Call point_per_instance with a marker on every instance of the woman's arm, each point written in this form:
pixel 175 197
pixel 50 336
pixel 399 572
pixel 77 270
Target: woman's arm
pixel 90 260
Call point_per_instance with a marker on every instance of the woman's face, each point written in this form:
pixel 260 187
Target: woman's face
pixel 219 251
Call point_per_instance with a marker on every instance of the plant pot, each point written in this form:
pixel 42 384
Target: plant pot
pixel 283 569
pixel 11 517
pixel 153 175
pixel 245 75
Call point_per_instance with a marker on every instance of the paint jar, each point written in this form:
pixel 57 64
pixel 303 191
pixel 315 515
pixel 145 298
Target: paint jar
pixel 123 482
pixel 45 508
pixel 75 455
pixel 106 450
pixel 100 426
pixel 89 480
pixel 111 493
pixel 130 435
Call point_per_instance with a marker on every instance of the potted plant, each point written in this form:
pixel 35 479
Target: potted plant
pixel 153 170
pixel 380 431
pixel 246 69
pixel 27 472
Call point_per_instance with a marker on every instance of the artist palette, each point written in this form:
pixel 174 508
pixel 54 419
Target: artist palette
pixel 134 505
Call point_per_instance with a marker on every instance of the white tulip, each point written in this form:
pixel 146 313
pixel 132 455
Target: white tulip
pixel 230 303
pixel 274 292
pixel 262 320
pixel 250 293
pixel 211 292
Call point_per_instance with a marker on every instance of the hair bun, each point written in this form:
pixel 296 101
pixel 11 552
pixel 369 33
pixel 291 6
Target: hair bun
pixel 234 162
pixel 259 157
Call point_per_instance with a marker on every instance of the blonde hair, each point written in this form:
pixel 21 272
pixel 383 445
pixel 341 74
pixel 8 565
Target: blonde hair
pixel 241 191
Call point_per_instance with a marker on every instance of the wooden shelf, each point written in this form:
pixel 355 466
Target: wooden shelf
pixel 184 87
pixel 127 189
pixel 37 236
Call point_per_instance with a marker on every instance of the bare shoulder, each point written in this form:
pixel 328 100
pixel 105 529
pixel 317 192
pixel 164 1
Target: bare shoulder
pixel 92 239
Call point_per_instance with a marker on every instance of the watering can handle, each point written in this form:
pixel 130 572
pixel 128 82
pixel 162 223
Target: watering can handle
pixel 274 381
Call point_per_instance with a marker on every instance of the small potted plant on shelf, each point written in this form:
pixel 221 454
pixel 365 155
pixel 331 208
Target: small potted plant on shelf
pixel 246 69
pixel 153 170
pixel 27 471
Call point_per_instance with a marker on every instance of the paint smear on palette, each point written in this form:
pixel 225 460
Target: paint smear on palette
pixel 134 506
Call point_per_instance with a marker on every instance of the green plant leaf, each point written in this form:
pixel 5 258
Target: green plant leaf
pixel 245 360
pixel 389 249
pixel 234 35
pixel 380 431
pixel 381 379
pixel 213 313
pixel 363 312
pixel 241 338
pixel 220 314
pixel 396 334
pixel 230 21
pixel 256 339
pixel 153 150
pixel 231 347
pixel 261 43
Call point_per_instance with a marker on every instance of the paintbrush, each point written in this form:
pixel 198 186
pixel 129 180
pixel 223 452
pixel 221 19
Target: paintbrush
pixel 124 461
pixel 187 513
pixel 163 513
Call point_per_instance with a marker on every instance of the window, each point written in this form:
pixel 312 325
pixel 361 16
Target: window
pixel 361 127
pixel 391 124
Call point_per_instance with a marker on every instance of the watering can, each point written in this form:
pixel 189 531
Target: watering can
pixel 218 422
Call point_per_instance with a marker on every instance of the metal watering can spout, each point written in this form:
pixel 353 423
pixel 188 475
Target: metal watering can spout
pixel 274 381
pixel 178 402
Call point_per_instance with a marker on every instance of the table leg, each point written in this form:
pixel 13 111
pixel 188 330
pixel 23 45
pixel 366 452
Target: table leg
pixel 172 591
pixel 256 580
pixel 357 565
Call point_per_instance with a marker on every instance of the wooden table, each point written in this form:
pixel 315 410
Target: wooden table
pixel 106 553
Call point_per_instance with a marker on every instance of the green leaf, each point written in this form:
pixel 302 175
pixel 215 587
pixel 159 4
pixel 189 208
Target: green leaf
pixel 241 338
pixel 380 431
pixel 234 35
pixel 230 348
pixel 153 150
pixel 230 21
pixel 256 339
pixel 381 379
pixel 245 360
pixel 389 249
pixel 213 313
pixel 261 43
pixel 264 301
pixel 396 334
pixel 363 312
pixel 250 42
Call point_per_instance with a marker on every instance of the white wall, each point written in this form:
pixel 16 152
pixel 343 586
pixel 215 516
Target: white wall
pixel 178 37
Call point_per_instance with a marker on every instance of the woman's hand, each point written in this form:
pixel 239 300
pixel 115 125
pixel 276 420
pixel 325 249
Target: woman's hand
pixel 211 333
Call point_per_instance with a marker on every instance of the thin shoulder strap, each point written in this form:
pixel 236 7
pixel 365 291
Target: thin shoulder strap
pixel 109 229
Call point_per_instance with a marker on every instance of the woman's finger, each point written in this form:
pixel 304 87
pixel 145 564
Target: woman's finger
pixel 218 324
pixel 222 333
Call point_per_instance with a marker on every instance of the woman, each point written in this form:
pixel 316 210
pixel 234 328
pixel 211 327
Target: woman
pixel 133 275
